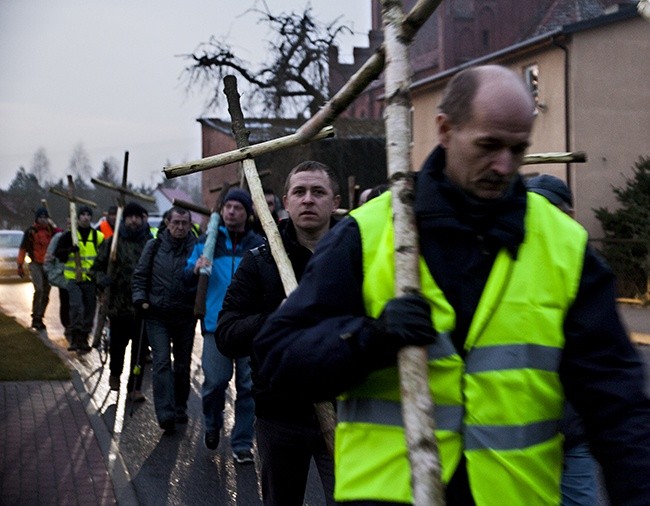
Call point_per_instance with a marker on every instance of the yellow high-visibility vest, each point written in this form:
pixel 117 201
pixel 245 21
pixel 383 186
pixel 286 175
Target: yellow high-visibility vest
pixel 501 406
pixel 87 253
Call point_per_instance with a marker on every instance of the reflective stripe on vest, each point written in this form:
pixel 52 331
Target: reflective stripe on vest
pixel 501 406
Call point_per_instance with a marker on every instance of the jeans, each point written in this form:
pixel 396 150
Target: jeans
pixel 41 291
pixel 171 382
pixel 217 371
pixel 286 451
pixel 579 477
pixel 82 301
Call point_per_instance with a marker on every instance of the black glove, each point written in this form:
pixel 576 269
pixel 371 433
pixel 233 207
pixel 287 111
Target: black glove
pixel 405 321
pixel 141 309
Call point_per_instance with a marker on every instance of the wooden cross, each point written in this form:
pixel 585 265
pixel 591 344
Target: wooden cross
pixel 122 192
pixel 72 201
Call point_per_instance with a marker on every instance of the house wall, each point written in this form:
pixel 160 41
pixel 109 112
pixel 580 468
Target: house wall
pixel 610 111
pixel 213 142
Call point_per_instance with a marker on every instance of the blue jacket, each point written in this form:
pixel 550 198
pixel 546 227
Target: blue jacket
pixel 228 252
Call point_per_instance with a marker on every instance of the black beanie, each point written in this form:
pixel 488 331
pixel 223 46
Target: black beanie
pixel 133 209
pixel 41 212
pixel 241 196
pixel 84 209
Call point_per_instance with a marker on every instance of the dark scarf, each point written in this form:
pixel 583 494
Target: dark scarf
pixel 500 222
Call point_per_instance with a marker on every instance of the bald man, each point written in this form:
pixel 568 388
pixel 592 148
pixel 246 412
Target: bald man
pixel 515 309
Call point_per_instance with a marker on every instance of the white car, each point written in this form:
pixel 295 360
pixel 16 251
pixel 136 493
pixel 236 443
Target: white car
pixel 9 245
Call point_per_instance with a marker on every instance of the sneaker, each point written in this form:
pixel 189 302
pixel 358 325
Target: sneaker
pixel 168 426
pixel 183 418
pixel 243 456
pixel 136 396
pixel 114 382
pixel 211 439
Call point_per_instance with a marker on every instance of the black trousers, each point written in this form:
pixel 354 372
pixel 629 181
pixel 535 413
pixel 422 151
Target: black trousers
pixel 285 451
pixel 126 328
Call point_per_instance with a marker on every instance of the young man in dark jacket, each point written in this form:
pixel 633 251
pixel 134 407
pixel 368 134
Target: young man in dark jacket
pixel 166 301
pixel 515 309
pixel 288 434
pixel 125 326
pixel 34 244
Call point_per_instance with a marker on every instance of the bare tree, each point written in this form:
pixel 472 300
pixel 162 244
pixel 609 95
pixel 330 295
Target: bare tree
pixel 79 165
pixel 294 82
pixel 110 170
pixel 41 165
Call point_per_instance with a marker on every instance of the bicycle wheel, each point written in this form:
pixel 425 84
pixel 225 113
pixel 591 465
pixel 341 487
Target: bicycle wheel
pixel 104 344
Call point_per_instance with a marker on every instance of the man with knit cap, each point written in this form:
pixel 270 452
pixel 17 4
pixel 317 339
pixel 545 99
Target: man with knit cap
pixel 81 292
pixel 34 244
pixel 125 325
pixel 234 238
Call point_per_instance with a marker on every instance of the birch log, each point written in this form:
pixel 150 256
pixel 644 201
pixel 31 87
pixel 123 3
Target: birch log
pixel 244 153
pixel 324 410
pixel 417 404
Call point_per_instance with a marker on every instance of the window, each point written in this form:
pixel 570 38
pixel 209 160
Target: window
pixel 531 76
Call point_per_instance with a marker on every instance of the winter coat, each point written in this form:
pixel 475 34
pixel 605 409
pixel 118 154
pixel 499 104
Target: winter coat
pixel 158 278
pixel 129 248
pixel 255 292
pixel 228 252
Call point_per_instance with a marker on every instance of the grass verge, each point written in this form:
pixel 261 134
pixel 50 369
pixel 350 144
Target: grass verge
pixel 25 357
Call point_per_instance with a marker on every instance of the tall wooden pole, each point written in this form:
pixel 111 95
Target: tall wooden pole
pixel 417 403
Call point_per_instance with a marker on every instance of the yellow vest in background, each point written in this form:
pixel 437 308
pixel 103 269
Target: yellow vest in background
pixel 87 253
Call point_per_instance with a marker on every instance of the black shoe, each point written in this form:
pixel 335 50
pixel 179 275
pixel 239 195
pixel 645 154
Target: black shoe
pixel 82 349
pixel 183 418
pixel 72 347
pixel 243 456
pixel 211 439
pixel 169 426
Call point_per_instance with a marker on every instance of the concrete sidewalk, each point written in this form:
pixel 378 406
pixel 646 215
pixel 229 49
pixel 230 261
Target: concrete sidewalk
pixel 54 449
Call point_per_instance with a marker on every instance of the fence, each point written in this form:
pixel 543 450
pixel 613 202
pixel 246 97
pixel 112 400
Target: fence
pixel 630 261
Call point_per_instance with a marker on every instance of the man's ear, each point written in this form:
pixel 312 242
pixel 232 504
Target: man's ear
pixel 337 202
pixel 444 127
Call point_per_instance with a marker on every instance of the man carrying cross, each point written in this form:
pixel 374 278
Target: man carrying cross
pixel 81 288
pixel 516 311
pixel 234 238
pixel 125 326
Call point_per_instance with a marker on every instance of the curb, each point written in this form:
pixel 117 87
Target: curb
pixel 122 486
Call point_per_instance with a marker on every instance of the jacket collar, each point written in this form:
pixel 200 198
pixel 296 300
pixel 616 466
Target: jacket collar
pixel 441 204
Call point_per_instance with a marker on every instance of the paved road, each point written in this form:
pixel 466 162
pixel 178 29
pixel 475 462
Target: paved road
pixel 171 470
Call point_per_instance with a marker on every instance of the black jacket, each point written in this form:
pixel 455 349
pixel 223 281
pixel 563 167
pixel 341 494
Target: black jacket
pixel 129 248
pixel 158 277
pixel 303 352
pixel 255 292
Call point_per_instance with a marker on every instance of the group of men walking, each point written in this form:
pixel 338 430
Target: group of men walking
pixel 516 311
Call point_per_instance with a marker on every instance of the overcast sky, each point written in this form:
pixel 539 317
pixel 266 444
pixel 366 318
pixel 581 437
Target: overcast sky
pixel 105 73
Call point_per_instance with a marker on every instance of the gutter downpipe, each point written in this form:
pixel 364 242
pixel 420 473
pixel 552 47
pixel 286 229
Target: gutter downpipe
pixel 567 115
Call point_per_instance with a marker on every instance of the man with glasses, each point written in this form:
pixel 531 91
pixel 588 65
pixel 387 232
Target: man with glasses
pixel 167 304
